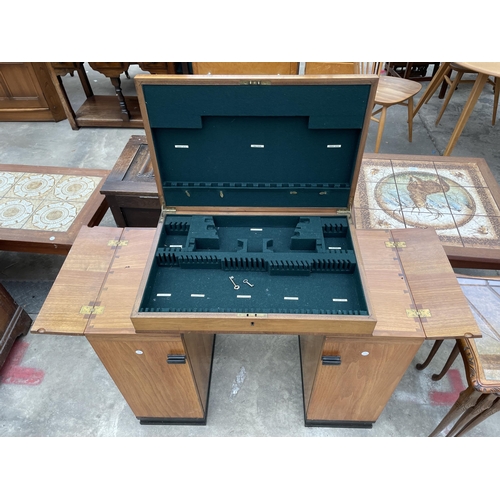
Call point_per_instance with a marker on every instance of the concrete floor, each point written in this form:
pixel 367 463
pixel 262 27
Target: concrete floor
pixel 256 381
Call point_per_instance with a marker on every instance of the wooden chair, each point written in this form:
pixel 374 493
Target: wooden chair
pixel 390 90
pixel 453 84
pixel 245 68
pixel 481 358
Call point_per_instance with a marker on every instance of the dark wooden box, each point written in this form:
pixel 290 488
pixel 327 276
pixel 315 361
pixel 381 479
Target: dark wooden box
pixel 130 188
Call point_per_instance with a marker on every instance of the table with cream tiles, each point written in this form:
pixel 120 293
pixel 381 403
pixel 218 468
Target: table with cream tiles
pixel 43 208
pixel 458 197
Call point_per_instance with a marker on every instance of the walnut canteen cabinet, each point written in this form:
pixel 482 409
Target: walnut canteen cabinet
pixel 256 177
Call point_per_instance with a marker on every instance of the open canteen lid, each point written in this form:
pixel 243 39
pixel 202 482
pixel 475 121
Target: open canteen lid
pixel 256 141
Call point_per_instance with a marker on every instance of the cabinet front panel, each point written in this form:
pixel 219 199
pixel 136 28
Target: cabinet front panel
pixel 19 87
pixel 359 388
pixel 151 386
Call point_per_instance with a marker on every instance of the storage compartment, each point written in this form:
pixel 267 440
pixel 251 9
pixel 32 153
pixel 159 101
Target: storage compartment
pixel 266 264
pixel 255 177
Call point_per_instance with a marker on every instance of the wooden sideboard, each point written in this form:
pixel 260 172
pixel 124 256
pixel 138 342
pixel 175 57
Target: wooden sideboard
pixel 104 110
pixel 27 93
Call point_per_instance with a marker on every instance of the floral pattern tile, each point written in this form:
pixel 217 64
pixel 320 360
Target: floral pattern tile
pixel 42 201
pixel 54 216
pixel 7 181
pixel 16 212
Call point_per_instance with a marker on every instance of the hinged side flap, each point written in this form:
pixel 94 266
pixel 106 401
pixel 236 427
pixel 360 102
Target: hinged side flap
pixel 78 283
pixel 121 284
pixel 439 302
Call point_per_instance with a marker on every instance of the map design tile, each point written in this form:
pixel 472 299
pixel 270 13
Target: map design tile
pixel 375 170
pixel 365 196
pixel 375 219
pixel 41 201
pixel 476 201
pixel 465 174
pixel 481 232
pixel 417 194
pixel 409 165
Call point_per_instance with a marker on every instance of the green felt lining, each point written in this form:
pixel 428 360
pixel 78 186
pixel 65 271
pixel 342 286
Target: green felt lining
pixel 267 145
pixel 310 259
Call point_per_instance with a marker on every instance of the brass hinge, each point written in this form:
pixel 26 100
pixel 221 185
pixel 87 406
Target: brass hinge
pixel 92 310
pixel 343 211
pixel 395 244
pixel 418 313
pixel 117 243
pixel 170 210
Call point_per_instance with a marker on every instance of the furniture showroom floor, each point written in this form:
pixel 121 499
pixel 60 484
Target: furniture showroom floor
pixel 56 386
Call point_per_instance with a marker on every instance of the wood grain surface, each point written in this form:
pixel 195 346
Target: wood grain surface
pixel 78 283
pixel 359 388
pixel 152 387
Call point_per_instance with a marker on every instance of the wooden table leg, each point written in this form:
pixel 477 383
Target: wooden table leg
pixel 115 80
pixel 84 80
pixel 61 91
pixel 381 125
pixel 466 400
pixel 433 85
pixel 469 106
pixel 482 405
pixel 495 407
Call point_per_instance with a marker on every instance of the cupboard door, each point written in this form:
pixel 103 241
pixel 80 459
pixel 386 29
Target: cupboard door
pixel 19 87
pixel 357 389
pixel 152 376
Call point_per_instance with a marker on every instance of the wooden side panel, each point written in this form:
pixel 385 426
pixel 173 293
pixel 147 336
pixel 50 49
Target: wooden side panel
pixel 199 349
pixel 78 283
pixel 14 321
pixel 120 286
pixel 331 68
pixel 152 387
pixel 434 286
pixel 245 68
pixel 310 353
pixel 359 388
pixel 19 87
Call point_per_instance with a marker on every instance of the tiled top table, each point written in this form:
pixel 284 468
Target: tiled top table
pixel 43 208
pixel 458 197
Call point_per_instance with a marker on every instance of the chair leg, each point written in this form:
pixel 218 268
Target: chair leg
pixel 452 357
pixel 480 418
pixel 434 350
pixel 483 403
pixel 495 100
pixel 452 89
pixel 410 119
pixel 466 112
pixel 380 129
pixel 466 400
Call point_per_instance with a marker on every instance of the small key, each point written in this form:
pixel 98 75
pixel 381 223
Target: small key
pixel 236 287
pixel 247 282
